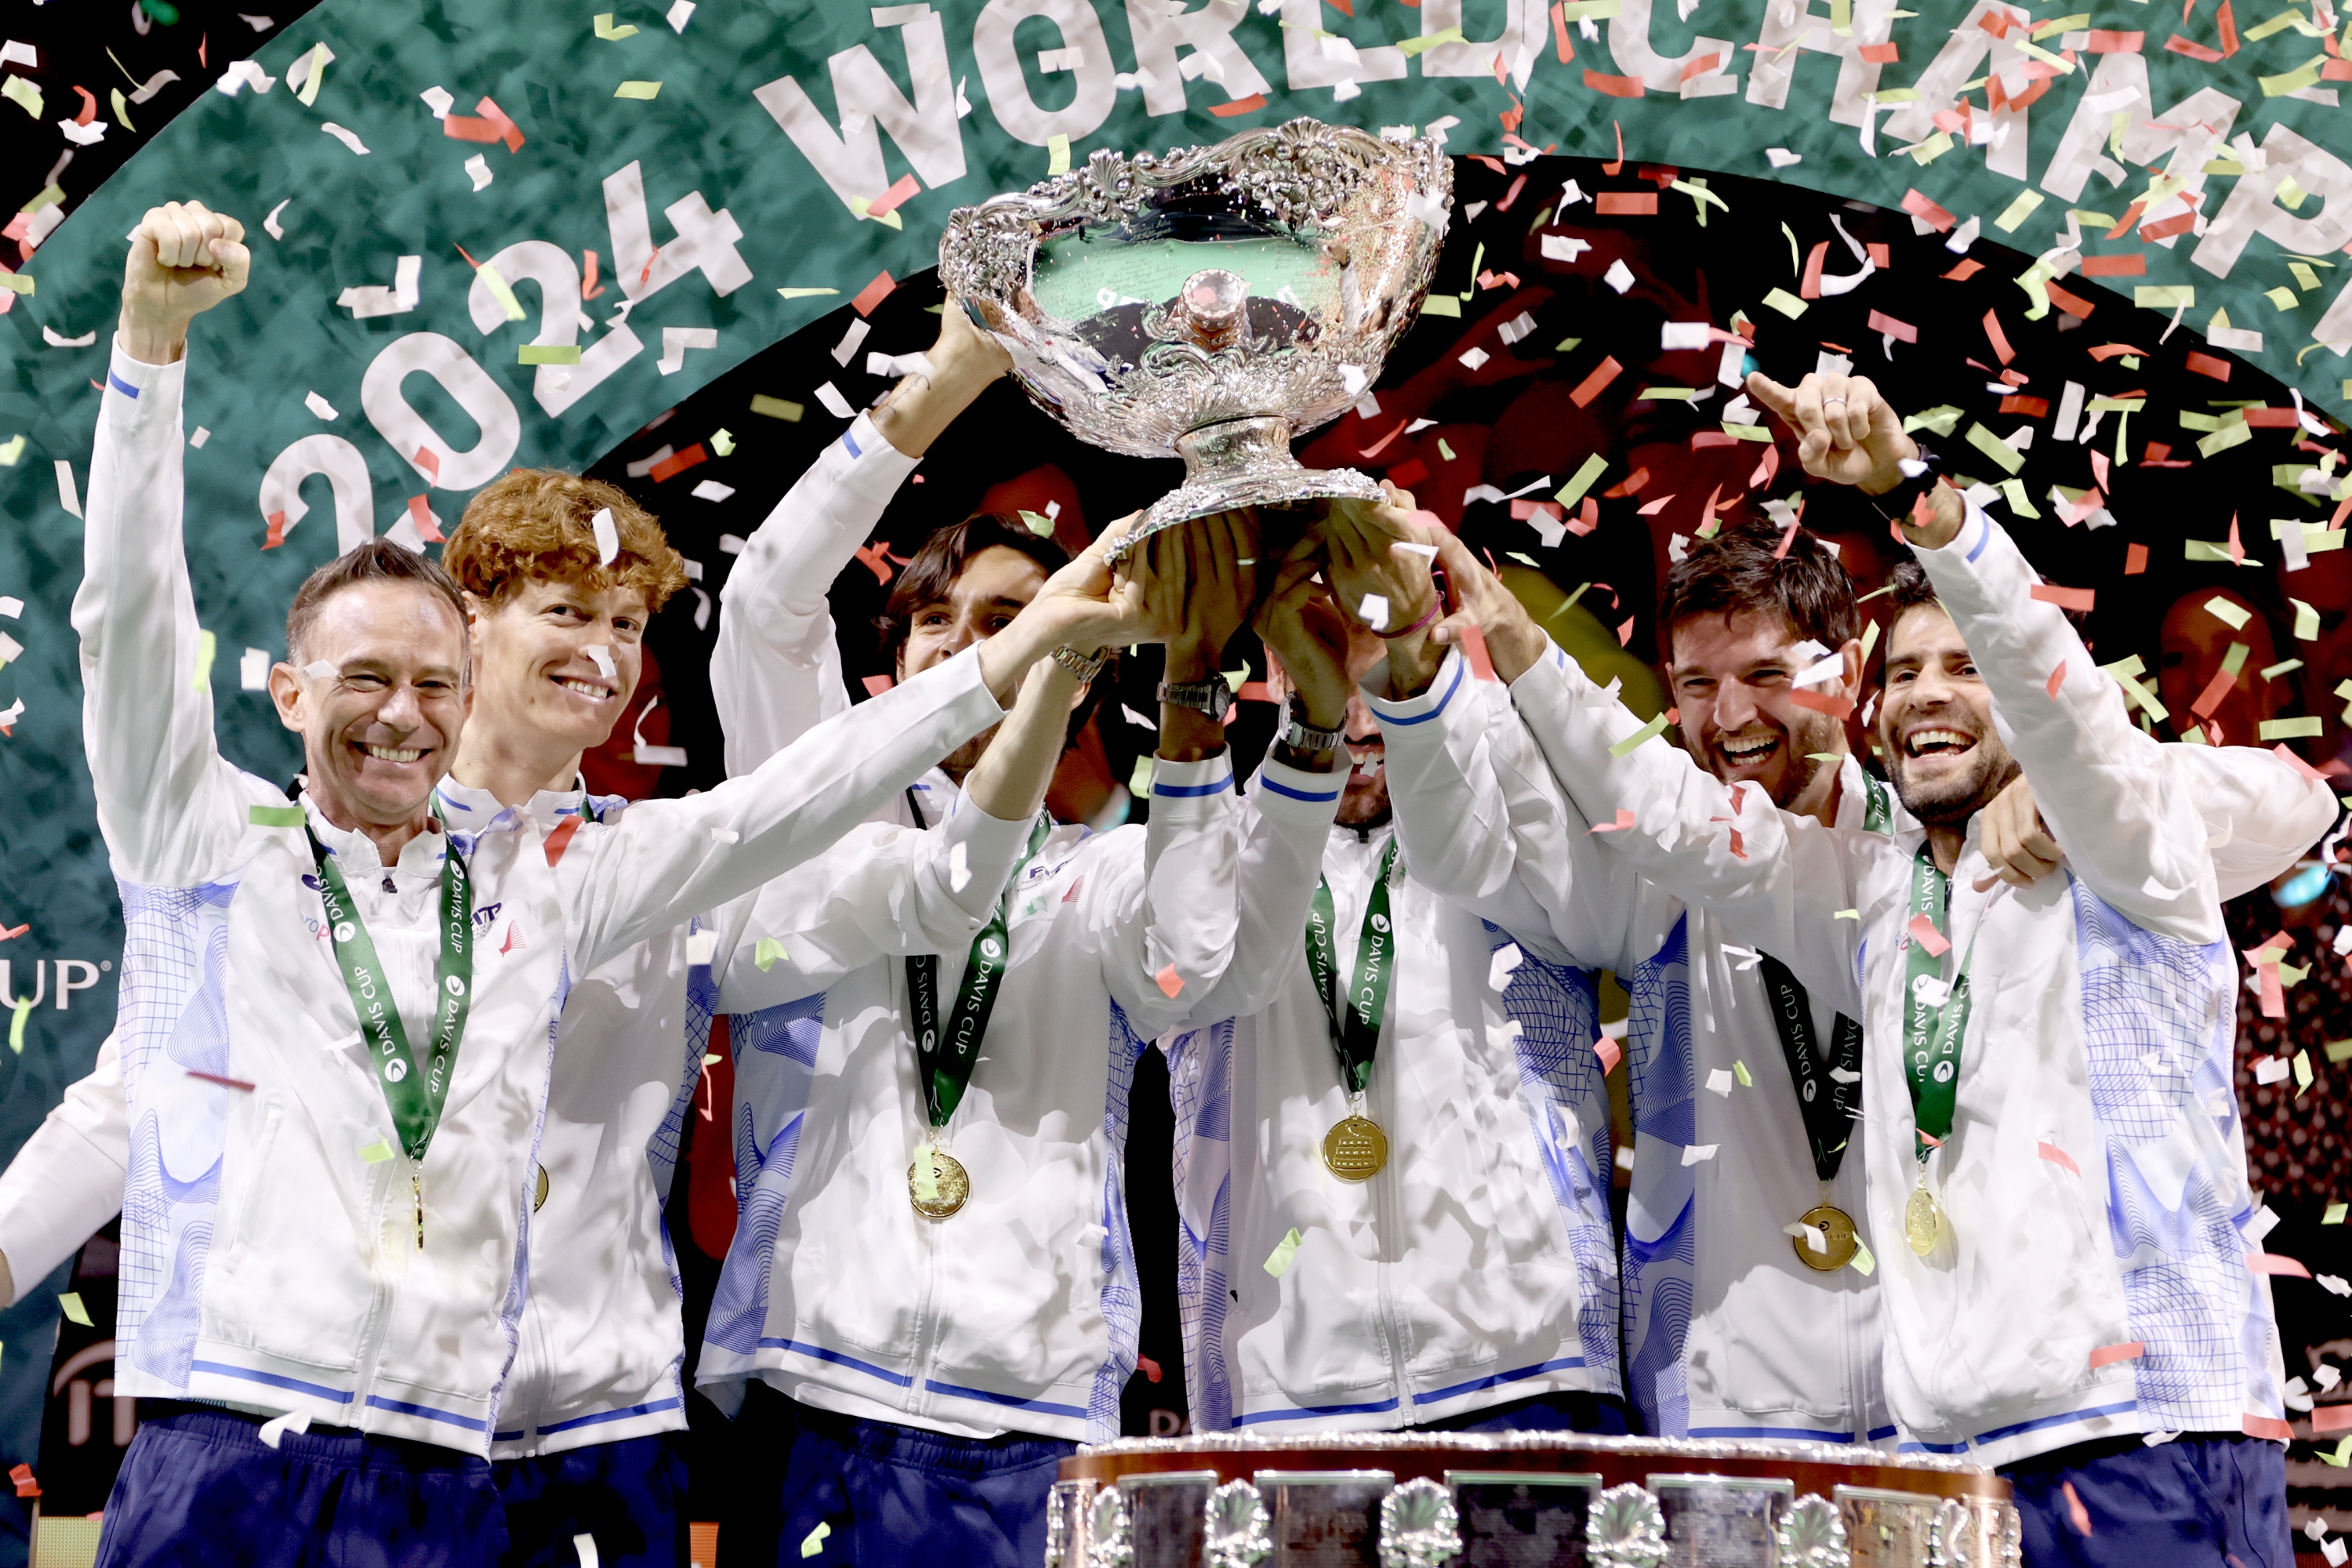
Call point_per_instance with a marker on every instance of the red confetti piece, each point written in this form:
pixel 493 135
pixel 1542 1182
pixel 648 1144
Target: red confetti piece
pixel 1504 205
pixel 422 515
pixel 2057 1156
pixel 2109 351
pixel 1168 980
pixel 1631 486
pixel 508 132
pixel 2075 1511
pixel 589 286
pixel 1587 519
pixel 2031 408
pixel 1964 271
pixel 2107 41
pixel 2265 1427
pixel 560 838
pixel 428 463
pixel 1607 1051
pixel 1922 930
pixel 1144 1363
pixel 2274 1263
pixel 2078 599
pixel 215 1077
pixel 2164 229
pixel 2287 754
pixel 1994 21
pixel 2130 218
pixel 1614 86
pixel 2228 19
pixel 875 685
pixel 2331 1418
pixel 1901 331
pixel 1880 54
pixel 1256 101
pixel 1810 286
pixel 878 561
pixel 2108 1355
pixel 1625 633
pixel 1607 370
pixel 1999 339
pixel 1560 33
pixel 2271 420
pixel 89 106
pixel 2073 304
pixel 1788 537
pixel 904 190
pixel 1696 67
pixel 1474 650
pixel 1625 203
pixel 1494 163
pixel 277 534
pixel 2057 679
pixel 13 935
pixel 1521 510
pixel 2195 51
pixel 1624 824
pixel 1617 164
pixel 874 293
pixel 1835 704
pixel 678 463
pixel 1925 209
pixel 1880 256
pixel 1374 450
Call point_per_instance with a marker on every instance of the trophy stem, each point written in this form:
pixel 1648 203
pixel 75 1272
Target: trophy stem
pixel 1238 449
pixel 1241 463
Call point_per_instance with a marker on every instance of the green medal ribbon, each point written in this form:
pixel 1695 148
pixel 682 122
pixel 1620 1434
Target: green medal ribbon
pixel 1827 1102
pixel 947 1057
pixel 1878 810
pixel 1355 1027
pixel 416 1096
pixel 1932 1034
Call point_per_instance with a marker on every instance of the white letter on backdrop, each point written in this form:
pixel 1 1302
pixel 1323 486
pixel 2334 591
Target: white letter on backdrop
pixel 347 477
pixel 483 399
pixel 925 131
pixel 1159 27
pixel 1008 88
pixel 556 387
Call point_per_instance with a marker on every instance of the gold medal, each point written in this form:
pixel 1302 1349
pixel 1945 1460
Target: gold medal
pixel 539 1197
pixel 1922 1220
pixel 936 1183
pixel 1837 1226
pixel 1356 1149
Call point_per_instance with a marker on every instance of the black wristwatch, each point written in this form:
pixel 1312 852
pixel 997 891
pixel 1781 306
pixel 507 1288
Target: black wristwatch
pixel 1211 696
pixel 1919 477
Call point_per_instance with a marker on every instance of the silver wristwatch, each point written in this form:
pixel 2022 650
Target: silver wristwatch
pixel 1299 738
pixel 1211 696
pixel 1079 665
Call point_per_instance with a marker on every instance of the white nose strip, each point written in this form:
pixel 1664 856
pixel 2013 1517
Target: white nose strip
pixel 603 658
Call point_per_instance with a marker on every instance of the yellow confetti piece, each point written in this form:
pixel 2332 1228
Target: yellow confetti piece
pixel 777 407
pixel 645 90
pixel 1057 154
pixel 2291 81
pixel 1138 782
pixel 2165 296
pixel 1941 420
pixel 1788 304
pixel 2305 278
pixel 16 1025
pixel 2339 1051
pixel 2222 439
pixel 1443 450
pixel 1993 446
pixel 2290 729
pixel 122 112
pixel 2017 212
pixel 493 280
pixel 17 282
pixel 1847 915
pixel 69 1302
pixel 1412 47
pixel 861 206
pixel 1869 639
pixel 1594 466
pixel 1748 431
pixel 2221 609
pixel 318 73
pixel 10 450
pixel 2013 492
pixel 1739 1071
pixel 1277 1262
pixel 1933 148
pixel 1649 731
pixel 805 293
pixel 1038 523
pixel 1863 1263
pixel 766 954
pixel 814 1544
pixel 606 30
pixel 274 815
pixel 2285 667
pixel 2335 1215
pixel 1442 305
pixel 377 1153
pixel 2235 659
pixel 207 644
pixel 2302 1069
pixel 2281 298
pixel 23 94
pixel 548 353
pixel 723 442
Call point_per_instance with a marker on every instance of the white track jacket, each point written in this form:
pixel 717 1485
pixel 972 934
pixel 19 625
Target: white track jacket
pixel 269 1250
pixel 1020 1312
pixel 2094 1181
pixel 1729 1334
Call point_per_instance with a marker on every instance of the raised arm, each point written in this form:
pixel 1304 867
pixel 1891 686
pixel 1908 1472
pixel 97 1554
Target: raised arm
pixel 776 672
pixel 170 808
pixel 66 1180
pixel 666 860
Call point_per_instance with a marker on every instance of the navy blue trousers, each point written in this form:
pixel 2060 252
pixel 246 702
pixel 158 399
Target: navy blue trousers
pixel 630 1496
pixel 885 1495
pixel 199 1488
pixel 2203 1500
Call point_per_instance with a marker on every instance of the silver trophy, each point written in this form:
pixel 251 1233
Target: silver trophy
pixel 1212 304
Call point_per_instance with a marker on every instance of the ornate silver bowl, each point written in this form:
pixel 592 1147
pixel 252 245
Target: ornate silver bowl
pixel 1212 304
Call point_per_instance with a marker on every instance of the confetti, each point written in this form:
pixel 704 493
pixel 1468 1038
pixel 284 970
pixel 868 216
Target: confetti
pixel 1277 1262
pixel 69 1302
pixel 766 954
pixel 812 1544
pixel 1168 980
pixel 646 92
pixel 1924 930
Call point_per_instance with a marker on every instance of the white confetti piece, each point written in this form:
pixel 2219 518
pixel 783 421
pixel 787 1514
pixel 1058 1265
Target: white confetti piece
pixel 680 15
pixel 846 349
pixel 318 669
pixel 1719 1082
pixel 1682 334
pixel 602 657
pixel 273 1432
pixel 83 135
pixel 1500 967
pixel 13 607
pixel 1815 1238
pixel 66 498
pixel 1375 612
pixel 345 137
pixel 585 1544
pixel 270 223
pixel 253 671
pixel 1474 358
pixel 200 438
pixel 49 337
pixel 835 404
pixel 364 301
pixel 2333 1284
pixel 711 489
pixel 1781 158
pixel 958 868
pixel 676 341
pixel 243 74
pixel 438 101
pixel 649 756
pixel 608 537
pixel 1619 277
pixel 1694 1152
pixel 319 405
pixel 477 169
pixel 14 53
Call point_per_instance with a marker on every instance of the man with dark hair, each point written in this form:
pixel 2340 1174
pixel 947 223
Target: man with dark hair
pixel 328 1198
pixel 931 1295
pixel 2019 1329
